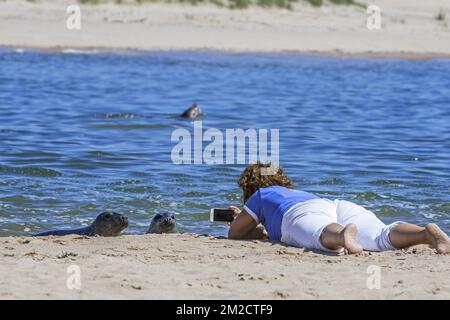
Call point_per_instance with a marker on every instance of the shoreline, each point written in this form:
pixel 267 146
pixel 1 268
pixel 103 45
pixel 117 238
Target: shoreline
pixel 189 266
pixel 324 54
pixel 409 29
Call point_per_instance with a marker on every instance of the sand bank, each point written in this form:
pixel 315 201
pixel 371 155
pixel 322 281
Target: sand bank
pixel 198 267
pixel 409 28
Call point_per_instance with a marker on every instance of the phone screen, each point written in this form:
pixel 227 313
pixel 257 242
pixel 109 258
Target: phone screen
pixel 224 215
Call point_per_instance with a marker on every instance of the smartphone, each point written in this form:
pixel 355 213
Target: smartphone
pixel 222 215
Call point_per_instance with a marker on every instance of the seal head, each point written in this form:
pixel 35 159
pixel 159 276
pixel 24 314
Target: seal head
pixel 163 223
pixel 192 112
pixel 109 224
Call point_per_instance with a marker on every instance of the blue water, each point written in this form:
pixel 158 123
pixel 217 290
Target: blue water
pixel 82 133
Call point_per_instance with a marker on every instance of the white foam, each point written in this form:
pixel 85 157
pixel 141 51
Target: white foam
pixel 431 216
pixel 76 51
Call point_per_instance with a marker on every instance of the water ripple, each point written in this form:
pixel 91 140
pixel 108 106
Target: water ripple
pixel 84 133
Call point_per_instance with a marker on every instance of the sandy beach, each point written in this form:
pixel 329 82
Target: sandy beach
pixel 187 266
pixel 408 28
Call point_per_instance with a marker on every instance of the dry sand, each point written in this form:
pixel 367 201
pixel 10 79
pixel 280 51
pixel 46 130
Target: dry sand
pixel 197 267
pixel 409 28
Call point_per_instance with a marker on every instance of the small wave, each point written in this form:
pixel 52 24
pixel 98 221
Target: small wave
pixel 179 177
pixel 16 200
pixel 70 212
pixel 431 216
pixel 195 194
pixel 385 182
pixel 223 168
pixel 98 154
pixel 141 203
pixel 192 205
pixel 30 200
pixel 370 196
pixel 141 189
pixel 30 171
pixel 325 193
pixel 89 207
pixel 333 181
pixel 123 182
pixel 234 196
pixel 131 127
pixel 442 207
pixel 390 211
pixel 122 116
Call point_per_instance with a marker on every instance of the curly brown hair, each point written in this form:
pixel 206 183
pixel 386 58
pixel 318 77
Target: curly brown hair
pixel 251 179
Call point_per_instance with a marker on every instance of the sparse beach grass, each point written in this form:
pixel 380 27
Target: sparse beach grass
pixel 233 4
pixel 440 16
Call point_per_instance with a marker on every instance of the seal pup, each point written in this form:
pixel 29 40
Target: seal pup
pixel 163 223
pixel 107 224
pixel 192 112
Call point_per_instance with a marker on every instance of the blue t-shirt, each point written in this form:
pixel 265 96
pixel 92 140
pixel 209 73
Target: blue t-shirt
pixel 268 206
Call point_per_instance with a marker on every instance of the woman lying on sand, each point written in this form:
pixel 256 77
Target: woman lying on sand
pixel 301 219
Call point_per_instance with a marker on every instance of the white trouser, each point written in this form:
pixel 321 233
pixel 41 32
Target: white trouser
pixel 303 224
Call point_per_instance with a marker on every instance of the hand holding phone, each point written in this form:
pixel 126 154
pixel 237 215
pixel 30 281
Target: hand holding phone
pixel 222 215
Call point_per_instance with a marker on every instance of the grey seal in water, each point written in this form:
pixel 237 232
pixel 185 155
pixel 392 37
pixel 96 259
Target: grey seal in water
pixel 192 112
pixel 107 224
pixel 163 223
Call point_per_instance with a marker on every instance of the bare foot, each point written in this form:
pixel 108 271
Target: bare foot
pixel 437 238
pixel 348 234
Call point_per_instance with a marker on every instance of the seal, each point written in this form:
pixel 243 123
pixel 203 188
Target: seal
pixel 163 223
pixel 192 112
pixel 107 224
